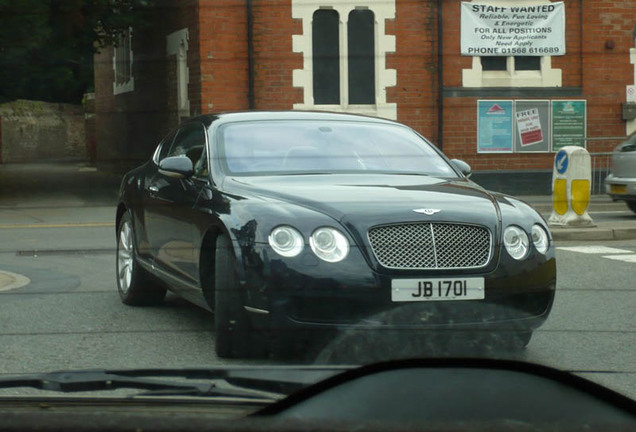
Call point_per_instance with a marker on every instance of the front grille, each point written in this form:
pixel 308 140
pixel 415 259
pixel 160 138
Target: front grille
pixel 431 246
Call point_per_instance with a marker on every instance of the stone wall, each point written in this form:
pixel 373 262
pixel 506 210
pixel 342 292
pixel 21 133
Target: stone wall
pixel 35 131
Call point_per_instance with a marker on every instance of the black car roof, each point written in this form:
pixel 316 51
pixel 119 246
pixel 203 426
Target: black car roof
pixel 286 115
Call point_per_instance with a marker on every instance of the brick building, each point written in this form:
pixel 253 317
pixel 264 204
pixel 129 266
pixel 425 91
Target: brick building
pixel 399 59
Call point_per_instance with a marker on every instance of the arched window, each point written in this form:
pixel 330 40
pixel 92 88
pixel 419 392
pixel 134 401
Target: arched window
pixel 361 53
pixel 326 56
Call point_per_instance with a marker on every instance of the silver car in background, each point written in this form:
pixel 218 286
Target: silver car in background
pixel 620 184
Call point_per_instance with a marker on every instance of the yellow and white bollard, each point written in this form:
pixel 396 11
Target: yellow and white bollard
pixel 571 185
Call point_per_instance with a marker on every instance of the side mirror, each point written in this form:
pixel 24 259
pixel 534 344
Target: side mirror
pixel 462 166
pixel 176 167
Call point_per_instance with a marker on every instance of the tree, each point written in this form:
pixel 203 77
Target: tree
pixel 47 46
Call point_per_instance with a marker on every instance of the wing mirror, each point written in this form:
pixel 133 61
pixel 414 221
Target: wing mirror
pixel 176 167
pixel 462 166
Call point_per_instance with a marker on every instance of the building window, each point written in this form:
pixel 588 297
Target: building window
pixel 521 71
pixel 344 47
pixel 326 57
pixel 361 46
pixel 511 64
pixel 123 63
pixel 359 62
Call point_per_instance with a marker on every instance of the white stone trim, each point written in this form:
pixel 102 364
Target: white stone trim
pixel 546 77
pixel 630 126
pixel 177 45
pixel 302 43
pixel 129 85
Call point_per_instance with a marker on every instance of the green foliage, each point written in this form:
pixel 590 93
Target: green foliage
pixel 47 46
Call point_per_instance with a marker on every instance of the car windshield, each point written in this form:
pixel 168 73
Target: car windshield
pixel 276 147
pixel 286 184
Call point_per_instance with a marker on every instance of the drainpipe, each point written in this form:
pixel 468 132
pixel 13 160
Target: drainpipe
pixel 440 77
pixel 250 54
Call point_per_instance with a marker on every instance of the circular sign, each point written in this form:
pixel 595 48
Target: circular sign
pixel 561 162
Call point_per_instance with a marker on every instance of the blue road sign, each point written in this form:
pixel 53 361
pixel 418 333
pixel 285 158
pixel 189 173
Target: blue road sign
pixel 561 162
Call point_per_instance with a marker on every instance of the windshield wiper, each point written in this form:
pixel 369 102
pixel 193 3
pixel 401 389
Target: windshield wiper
pixel 258 383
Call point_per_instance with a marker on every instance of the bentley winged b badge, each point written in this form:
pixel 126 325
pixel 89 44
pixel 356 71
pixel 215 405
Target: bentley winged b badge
pixel 427 212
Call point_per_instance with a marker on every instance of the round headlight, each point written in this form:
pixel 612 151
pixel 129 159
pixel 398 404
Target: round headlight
pixel 516 242
pixel 540 239
pixel 329 244
pixel 286 241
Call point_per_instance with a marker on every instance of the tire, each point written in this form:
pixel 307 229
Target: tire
pixel 631 205
pixel 135 286
pixel 230 320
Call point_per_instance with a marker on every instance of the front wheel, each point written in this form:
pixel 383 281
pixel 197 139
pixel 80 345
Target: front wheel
pixel 134 285
pixel 631 205
pixel 230 319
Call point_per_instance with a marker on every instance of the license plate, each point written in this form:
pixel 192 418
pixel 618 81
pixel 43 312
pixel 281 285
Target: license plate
pixel 618 189
pixel 409 290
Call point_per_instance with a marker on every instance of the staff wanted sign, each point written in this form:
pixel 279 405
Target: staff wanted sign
pixel 489 30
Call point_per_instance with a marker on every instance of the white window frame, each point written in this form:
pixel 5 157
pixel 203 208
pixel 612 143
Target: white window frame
pixel 123 59
pixel 545 77
pixel 303 78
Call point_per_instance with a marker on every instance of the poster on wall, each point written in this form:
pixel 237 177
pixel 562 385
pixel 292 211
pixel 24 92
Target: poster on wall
pixel 494 126
pixel 495 30
pixel 568 123
pixel 532 126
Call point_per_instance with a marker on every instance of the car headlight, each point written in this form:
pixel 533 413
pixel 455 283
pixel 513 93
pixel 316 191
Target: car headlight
pixel 329 244
pixel 516 242
pixel 286 241
pixel 540 239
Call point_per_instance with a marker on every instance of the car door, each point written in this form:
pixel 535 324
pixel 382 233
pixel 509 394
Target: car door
pixel 168 202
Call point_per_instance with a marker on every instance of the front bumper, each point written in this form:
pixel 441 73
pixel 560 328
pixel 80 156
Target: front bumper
pixel 305 293
pixel 620 188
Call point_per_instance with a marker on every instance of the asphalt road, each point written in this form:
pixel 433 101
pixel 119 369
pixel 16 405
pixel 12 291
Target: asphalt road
pixel 59 308
pixel 69 315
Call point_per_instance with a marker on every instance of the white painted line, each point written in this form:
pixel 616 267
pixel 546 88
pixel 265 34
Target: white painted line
pixel 595 250
pixel 625 258
pixel 10 281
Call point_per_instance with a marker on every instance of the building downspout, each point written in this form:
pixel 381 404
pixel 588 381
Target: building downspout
pixel 250 55
pixel 440 77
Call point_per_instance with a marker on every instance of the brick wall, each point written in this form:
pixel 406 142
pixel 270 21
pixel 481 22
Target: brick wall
pixel 274 60
pixel 596 68
pixel 599 72
pixel 415 59
pixel 223 55
pixel 607 69
pixel 129 125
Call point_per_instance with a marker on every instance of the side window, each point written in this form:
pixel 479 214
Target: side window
pixel 189 142
pixel 201 167
pixel 164 147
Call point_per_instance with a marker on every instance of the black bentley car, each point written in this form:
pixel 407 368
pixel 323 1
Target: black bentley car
pixel 281 223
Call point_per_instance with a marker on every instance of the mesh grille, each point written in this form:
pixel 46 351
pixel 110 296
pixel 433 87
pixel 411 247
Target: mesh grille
pixel 430 246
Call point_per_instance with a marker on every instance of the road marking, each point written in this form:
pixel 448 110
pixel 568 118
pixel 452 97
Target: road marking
pixel 625 258
pixel 58 225
pixel 595 250
pixel 10 280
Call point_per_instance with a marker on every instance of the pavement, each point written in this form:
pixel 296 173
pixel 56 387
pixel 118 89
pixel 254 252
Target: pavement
pixel 72 193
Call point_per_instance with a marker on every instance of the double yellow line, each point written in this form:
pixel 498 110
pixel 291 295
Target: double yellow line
pixel 58 225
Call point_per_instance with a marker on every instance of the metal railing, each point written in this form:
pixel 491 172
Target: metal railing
pixel 601 166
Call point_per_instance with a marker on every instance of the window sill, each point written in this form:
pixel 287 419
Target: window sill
pixel 513 92
pixel 388 110
pixel 124 88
